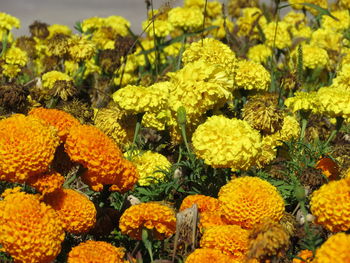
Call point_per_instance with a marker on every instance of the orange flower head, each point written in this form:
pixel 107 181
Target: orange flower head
pixel 103 159
pixel 211 218
pixel 75 210
pixel 304 256
pixel 153 216
pixel 330 205
pixel 329 168
pixel 204 203
pixel 208 255
pixel 27 147
pixel 97 252
pixel 46 183
pixel 336 249
pixel 29 230
pixel 248 201
pixel 61 120
pixel 231 240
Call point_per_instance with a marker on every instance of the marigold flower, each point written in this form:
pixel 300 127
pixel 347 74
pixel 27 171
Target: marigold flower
pixel 10 71
pixel 7 22
pixel 335 101
pixel 97 252
pixel 46 183
pixel 296 4
pixel 158 218
pixel 342 22
pixel 207 255
pixel 224 142
pixel 342 80
pixel 61 120
pixel 80 48
pixel 101 156
pixel 327 39
pixel 16 56
pixel 305 256
pixel 313 57
pixel 119 24
pixel 27 147
pixel 204 203
pixel 57 83
pixel 188 19
pixel 56 29
pixel 280 39
pixel 248 21
pixel 148 164
pixel 231 240
pixel 209 219
pixel 250 75
pixel 29 230
pixel 306 101
pixel 75 210
pixel 336 249
pixel 259 53
pixel 330 206
pixel 248 201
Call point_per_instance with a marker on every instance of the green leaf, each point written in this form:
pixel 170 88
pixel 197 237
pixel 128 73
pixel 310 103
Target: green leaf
pixel 321 11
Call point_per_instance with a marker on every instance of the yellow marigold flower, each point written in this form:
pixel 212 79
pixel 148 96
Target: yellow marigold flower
pixel 92 23
pixel 268 153
pixel 157 25
pixel 250 75
pixel 29 230
pixel 119 24
pixel 259 53
pixel 46 183
pixel 97 252
pixel 148 164
pixel 101 156
pixel 268 240
pixel 344 3
pixel 158 218
pixel 342 80
pixel 56 29
pixel 156 121
pixel 75 210
pixel 248 201
pixel 313 57
pixel 224 142
pixel 336 249
pixel 341 24
pixel 223 24
pixel 188 19
pixel 305 255
pixel 326 39
pixel 296 4
pixel 207 255
pixel 204 203
pixel 137 99
pixel 10 70
pixel 61 120
pixel 198 87
pixel 231 240
pixel 16 56
pixel 330 206
pixel 211 51
pixel 57 83
pixel 27 147
pixel 306 101
pixel 335 101
pixel 80 48
pixel 194 3
pixel 247 23
pixel 7 22
pixel 51 77
pixel 293 18
pixel 282 39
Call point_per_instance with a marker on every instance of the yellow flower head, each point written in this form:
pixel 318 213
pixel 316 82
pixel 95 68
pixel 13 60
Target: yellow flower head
pixel 248 201
pixel 27 147
pixel 212 51
pixel 29 230
pixel 329 205
pixel 119 25
pixel 224 142
pixel 280 39
pixel 7 22
pixel 148 164
pixel 339 25
pixel 335 101
pixel 47 183
pixel 296 4
pixel 204 203
pixel 223 25
pixel 16 56
pixel 247 23
pixel 92 23
pixel 61 120
pixel 336 249
pixel 208 255
pixel 80 48
pixel 342 80
pixel 51 77
pixel 231 240
pixel 56 29
pixel 158 218
pixel 306 101
pixel 313 57
pixel 259 53
pixel 101 156
pixel 188 19
pixel 75 210
pixel 97 252
pixel 327 39
pixel 250 75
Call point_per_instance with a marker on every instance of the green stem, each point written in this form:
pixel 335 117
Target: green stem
pixel 183 42
pixel 338 126
pixel 184 136
pixel 137 131
pixel 303 128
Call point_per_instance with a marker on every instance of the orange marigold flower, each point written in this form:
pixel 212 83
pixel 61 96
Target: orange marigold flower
pixel 61 120
pixel 97 252
pixel 204 203
pixel 27 147
pixel 211 218
pixel 330 205
pixel 232 240
pixel 29 230
pixel 247 201
pixel 208 255
pixel 101 156
pixel 336 249
pixel 153 216
pixel 75 210
pixel 47 182
pixel 304 256
pixel 329 168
